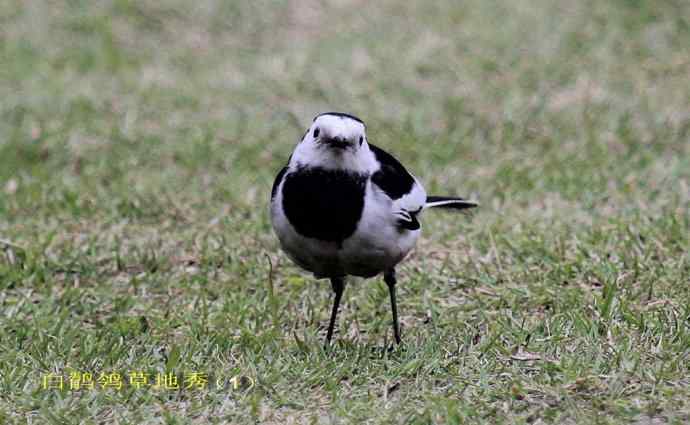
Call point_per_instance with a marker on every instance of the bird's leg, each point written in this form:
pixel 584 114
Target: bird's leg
pixel 389 278
pixel 338 284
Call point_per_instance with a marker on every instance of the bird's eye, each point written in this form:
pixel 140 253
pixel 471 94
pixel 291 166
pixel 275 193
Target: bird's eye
pixel 316 132
pixel 361 140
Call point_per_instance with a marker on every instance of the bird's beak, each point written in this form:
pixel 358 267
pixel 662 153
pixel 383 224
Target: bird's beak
pixel 337 142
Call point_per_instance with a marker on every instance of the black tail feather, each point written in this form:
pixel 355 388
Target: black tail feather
pixel 449 202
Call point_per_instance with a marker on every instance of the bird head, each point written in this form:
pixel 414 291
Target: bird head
pixel 337 131
pixel 337 141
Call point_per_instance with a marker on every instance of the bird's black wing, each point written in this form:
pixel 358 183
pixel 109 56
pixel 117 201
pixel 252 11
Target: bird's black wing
pixel 394 180
pixel 392 177
pixel 277 181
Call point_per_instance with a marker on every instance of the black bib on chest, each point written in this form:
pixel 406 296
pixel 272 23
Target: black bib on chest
pixel 324 204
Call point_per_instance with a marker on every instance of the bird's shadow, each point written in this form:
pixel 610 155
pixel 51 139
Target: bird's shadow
pixel 348 348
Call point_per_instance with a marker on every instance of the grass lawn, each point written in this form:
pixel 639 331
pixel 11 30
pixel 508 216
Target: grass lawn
pixel 138 144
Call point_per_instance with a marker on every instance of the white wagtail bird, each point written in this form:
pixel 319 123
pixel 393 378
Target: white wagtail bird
pixel 345 207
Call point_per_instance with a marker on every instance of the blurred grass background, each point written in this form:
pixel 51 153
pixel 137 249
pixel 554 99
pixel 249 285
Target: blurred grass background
pixel 139 141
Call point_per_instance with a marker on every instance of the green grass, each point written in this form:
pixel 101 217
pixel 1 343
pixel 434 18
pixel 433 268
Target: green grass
pixel 139 141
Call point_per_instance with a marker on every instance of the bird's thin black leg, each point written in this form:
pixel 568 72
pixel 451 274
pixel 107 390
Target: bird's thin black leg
pixel 389 278
pixel 338 284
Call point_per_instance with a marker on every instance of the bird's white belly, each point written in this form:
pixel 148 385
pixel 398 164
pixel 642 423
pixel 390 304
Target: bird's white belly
pixel 377 244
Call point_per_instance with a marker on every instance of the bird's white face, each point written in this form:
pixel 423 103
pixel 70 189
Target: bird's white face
pixel 335 141
pixel 336 132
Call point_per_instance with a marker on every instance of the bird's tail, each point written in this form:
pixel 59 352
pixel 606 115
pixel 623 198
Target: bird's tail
pixel 449 202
